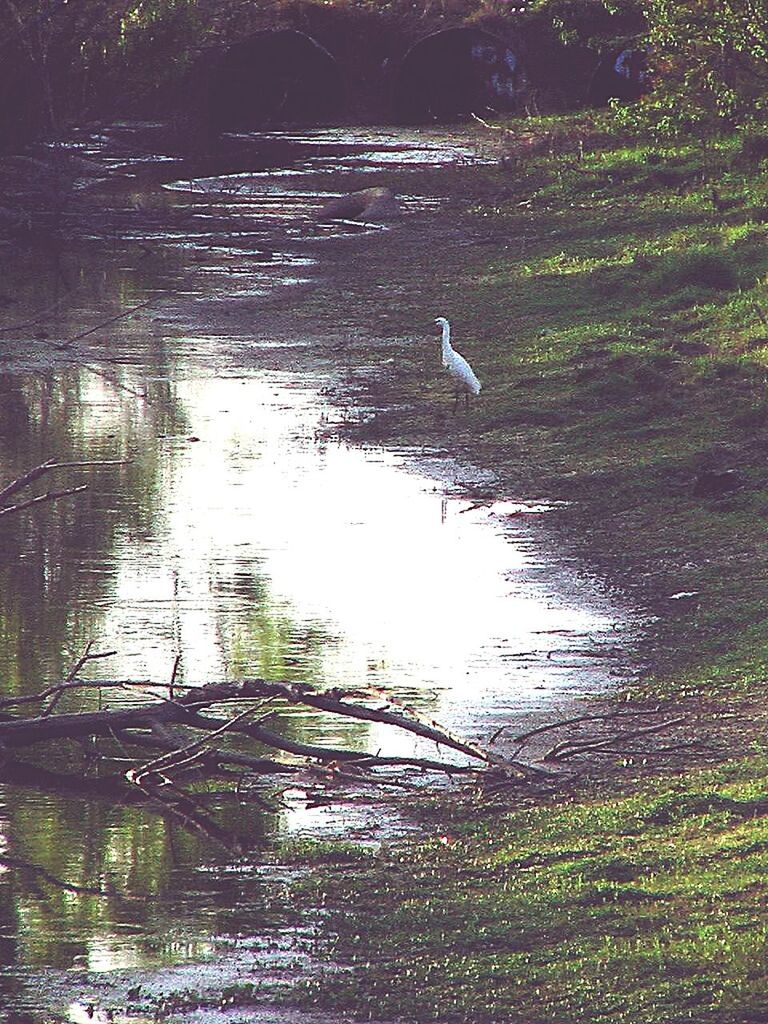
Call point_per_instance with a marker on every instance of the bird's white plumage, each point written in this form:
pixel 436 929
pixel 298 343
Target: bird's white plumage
pixel 456 365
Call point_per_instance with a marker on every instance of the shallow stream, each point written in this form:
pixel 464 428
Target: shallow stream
pixel 234 528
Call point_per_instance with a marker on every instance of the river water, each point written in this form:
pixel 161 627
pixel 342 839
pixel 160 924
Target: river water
pixel 232 527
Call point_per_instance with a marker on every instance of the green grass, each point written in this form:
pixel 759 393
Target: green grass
pixel 644 908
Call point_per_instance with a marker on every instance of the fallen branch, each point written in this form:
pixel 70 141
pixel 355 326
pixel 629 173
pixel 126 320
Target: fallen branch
pixel 569 748
pixel 209 760
pixel 142 724
pixel 76 684
pixel 330 754
pixel 180 757
pixel 493 127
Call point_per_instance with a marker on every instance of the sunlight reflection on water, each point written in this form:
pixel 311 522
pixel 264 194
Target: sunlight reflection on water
pixel 280 553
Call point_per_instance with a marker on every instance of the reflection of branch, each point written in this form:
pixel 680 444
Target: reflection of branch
pixel 32 475
pixel 21 324
pixel 183 806
pixel 114 791
pixel 42 498
pixel 27 867
pixel 104 323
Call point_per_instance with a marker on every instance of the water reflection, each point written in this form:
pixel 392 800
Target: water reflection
pixel 243 540
pixel 228 529
pixel 240 536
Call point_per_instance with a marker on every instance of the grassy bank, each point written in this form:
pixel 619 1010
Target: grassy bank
pixel 637 382
pixel 642 908
pixel 615 305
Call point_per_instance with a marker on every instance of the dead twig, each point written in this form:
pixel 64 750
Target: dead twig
pixel 207 759
pixel 181 756
pixel 75 684
pixel 569 748
pixel 604 716
pixel 81 662
pixel 493 127
pixel 174 673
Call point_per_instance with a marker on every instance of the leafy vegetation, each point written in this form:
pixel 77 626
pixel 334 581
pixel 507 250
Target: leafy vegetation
pixel 712 57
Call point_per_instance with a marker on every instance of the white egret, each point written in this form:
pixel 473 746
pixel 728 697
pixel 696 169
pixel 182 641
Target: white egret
pixel 465 381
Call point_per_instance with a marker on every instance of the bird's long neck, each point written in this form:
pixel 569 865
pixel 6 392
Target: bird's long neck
pixel 446 342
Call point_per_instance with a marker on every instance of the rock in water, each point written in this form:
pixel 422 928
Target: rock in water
pixel 372 204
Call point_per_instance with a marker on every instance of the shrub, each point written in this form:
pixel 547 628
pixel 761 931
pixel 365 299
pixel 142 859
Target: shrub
pixel 699 268
pixel 754 145
pixel 710 57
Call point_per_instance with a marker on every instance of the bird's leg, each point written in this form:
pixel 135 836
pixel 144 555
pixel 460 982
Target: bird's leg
pixel 456 400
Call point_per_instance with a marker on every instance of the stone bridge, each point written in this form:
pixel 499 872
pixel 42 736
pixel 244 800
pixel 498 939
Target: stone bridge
pixel 284 76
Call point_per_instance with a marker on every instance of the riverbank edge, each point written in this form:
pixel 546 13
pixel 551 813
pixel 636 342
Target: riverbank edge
pixel 637 510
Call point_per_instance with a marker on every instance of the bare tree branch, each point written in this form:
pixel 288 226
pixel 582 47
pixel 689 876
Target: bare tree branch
pixel 569 748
